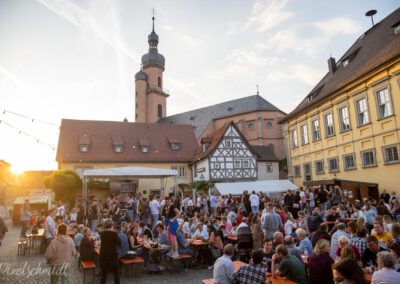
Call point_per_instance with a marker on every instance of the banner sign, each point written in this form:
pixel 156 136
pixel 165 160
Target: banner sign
pixel 118 187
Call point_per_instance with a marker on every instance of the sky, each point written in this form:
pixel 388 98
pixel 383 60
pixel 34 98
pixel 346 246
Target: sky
pixel 77 59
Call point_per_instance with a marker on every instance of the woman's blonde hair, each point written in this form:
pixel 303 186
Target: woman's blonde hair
pixel 347 252
pixel 321 246
pixel 360 222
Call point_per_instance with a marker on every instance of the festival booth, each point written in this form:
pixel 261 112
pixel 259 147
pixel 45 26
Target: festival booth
pixel 126 174
pixel 273 188
pixel 351 189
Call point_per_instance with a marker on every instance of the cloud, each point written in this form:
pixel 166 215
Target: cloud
pixel 247 62
pixel 81 18
pixel 307 74
pixel 267 15
pixel 167 27
pixel 322 33
pixel 339 26
pixel 300 71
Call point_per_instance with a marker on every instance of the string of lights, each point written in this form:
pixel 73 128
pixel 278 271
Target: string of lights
pixel 22 132
pixel 32 119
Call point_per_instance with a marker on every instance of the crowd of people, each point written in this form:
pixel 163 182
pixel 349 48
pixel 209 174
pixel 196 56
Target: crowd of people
pixel 308 236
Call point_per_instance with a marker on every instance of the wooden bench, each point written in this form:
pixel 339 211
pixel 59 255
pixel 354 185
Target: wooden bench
pixel 130 263
pixel 22 247
pixel 87 265
pixel 181 259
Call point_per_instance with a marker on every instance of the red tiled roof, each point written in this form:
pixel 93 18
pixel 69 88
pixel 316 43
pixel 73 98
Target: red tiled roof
pixel 101 135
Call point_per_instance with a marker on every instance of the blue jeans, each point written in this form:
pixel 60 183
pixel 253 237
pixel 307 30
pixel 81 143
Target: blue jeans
pixel 254 209
pixel 154 219
pixel 94 225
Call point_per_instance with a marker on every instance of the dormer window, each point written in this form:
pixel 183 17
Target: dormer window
pixel 175 146
pixel 84 148
pixel 205 146
pixel 84 142
pixel 144 144
pixel 396 28
pixel 174 143
pixel 118 148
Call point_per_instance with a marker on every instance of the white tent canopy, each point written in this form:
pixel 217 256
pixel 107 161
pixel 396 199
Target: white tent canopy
pixel 126 173
pixel 129 172
pixel 265 186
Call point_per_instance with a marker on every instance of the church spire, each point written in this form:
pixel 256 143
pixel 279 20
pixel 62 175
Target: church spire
pixel 153 37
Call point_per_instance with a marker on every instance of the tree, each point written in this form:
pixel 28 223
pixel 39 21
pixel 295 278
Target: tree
pixel 66 184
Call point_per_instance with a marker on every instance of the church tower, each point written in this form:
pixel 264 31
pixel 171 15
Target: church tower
pixel 150 97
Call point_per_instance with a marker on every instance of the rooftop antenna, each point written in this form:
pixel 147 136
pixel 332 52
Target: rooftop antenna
pixel 257 90
pixel 371 14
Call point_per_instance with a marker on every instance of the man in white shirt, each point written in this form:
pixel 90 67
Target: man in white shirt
pixel 214 205
pixel 223 267
pixel 60 209
pixel 255 202
pixel 243 223
pixel 155 211
pixel 50 227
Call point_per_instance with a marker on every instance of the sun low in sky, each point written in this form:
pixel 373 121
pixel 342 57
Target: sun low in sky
pixel 77 59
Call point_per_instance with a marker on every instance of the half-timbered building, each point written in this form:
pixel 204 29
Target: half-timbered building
pixel 226 156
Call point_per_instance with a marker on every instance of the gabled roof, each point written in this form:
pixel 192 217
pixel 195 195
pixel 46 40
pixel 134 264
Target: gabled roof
pixel 133 136
pixel 265 153
pixel 200 118
pixel 371 50
pixel 215 139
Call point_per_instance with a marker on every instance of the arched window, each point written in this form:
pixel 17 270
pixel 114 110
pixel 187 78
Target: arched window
pixel 159 82
pixel 159 111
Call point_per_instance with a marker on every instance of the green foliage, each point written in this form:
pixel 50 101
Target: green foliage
pixel 66 184
pixel 98 184
pixel 283 165
pixel 201 185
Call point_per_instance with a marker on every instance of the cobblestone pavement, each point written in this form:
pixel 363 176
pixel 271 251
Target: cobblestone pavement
pixel 11 265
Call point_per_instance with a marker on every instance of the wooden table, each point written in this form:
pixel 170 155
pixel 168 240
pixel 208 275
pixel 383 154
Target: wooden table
pixel 197 242
pixel 232 238
pixel 32 237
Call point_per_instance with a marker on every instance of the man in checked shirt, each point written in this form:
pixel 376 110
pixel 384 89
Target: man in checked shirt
pixel 254 272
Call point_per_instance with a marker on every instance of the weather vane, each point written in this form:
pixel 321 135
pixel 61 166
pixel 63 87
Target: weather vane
pixel 257 89
pixel 153 11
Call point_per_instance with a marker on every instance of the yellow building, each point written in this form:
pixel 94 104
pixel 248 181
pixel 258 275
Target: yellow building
pixel 348 126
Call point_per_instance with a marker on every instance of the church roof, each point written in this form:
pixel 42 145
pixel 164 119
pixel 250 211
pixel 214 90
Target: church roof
pixel 102 137
pixel 200 118
pixel 265 153
pixel 371 50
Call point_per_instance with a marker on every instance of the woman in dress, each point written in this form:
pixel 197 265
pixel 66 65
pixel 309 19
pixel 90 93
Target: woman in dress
pixel 257 232
pixel 320 264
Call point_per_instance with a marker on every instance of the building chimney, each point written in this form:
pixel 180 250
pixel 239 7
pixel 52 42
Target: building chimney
pixel 332 65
